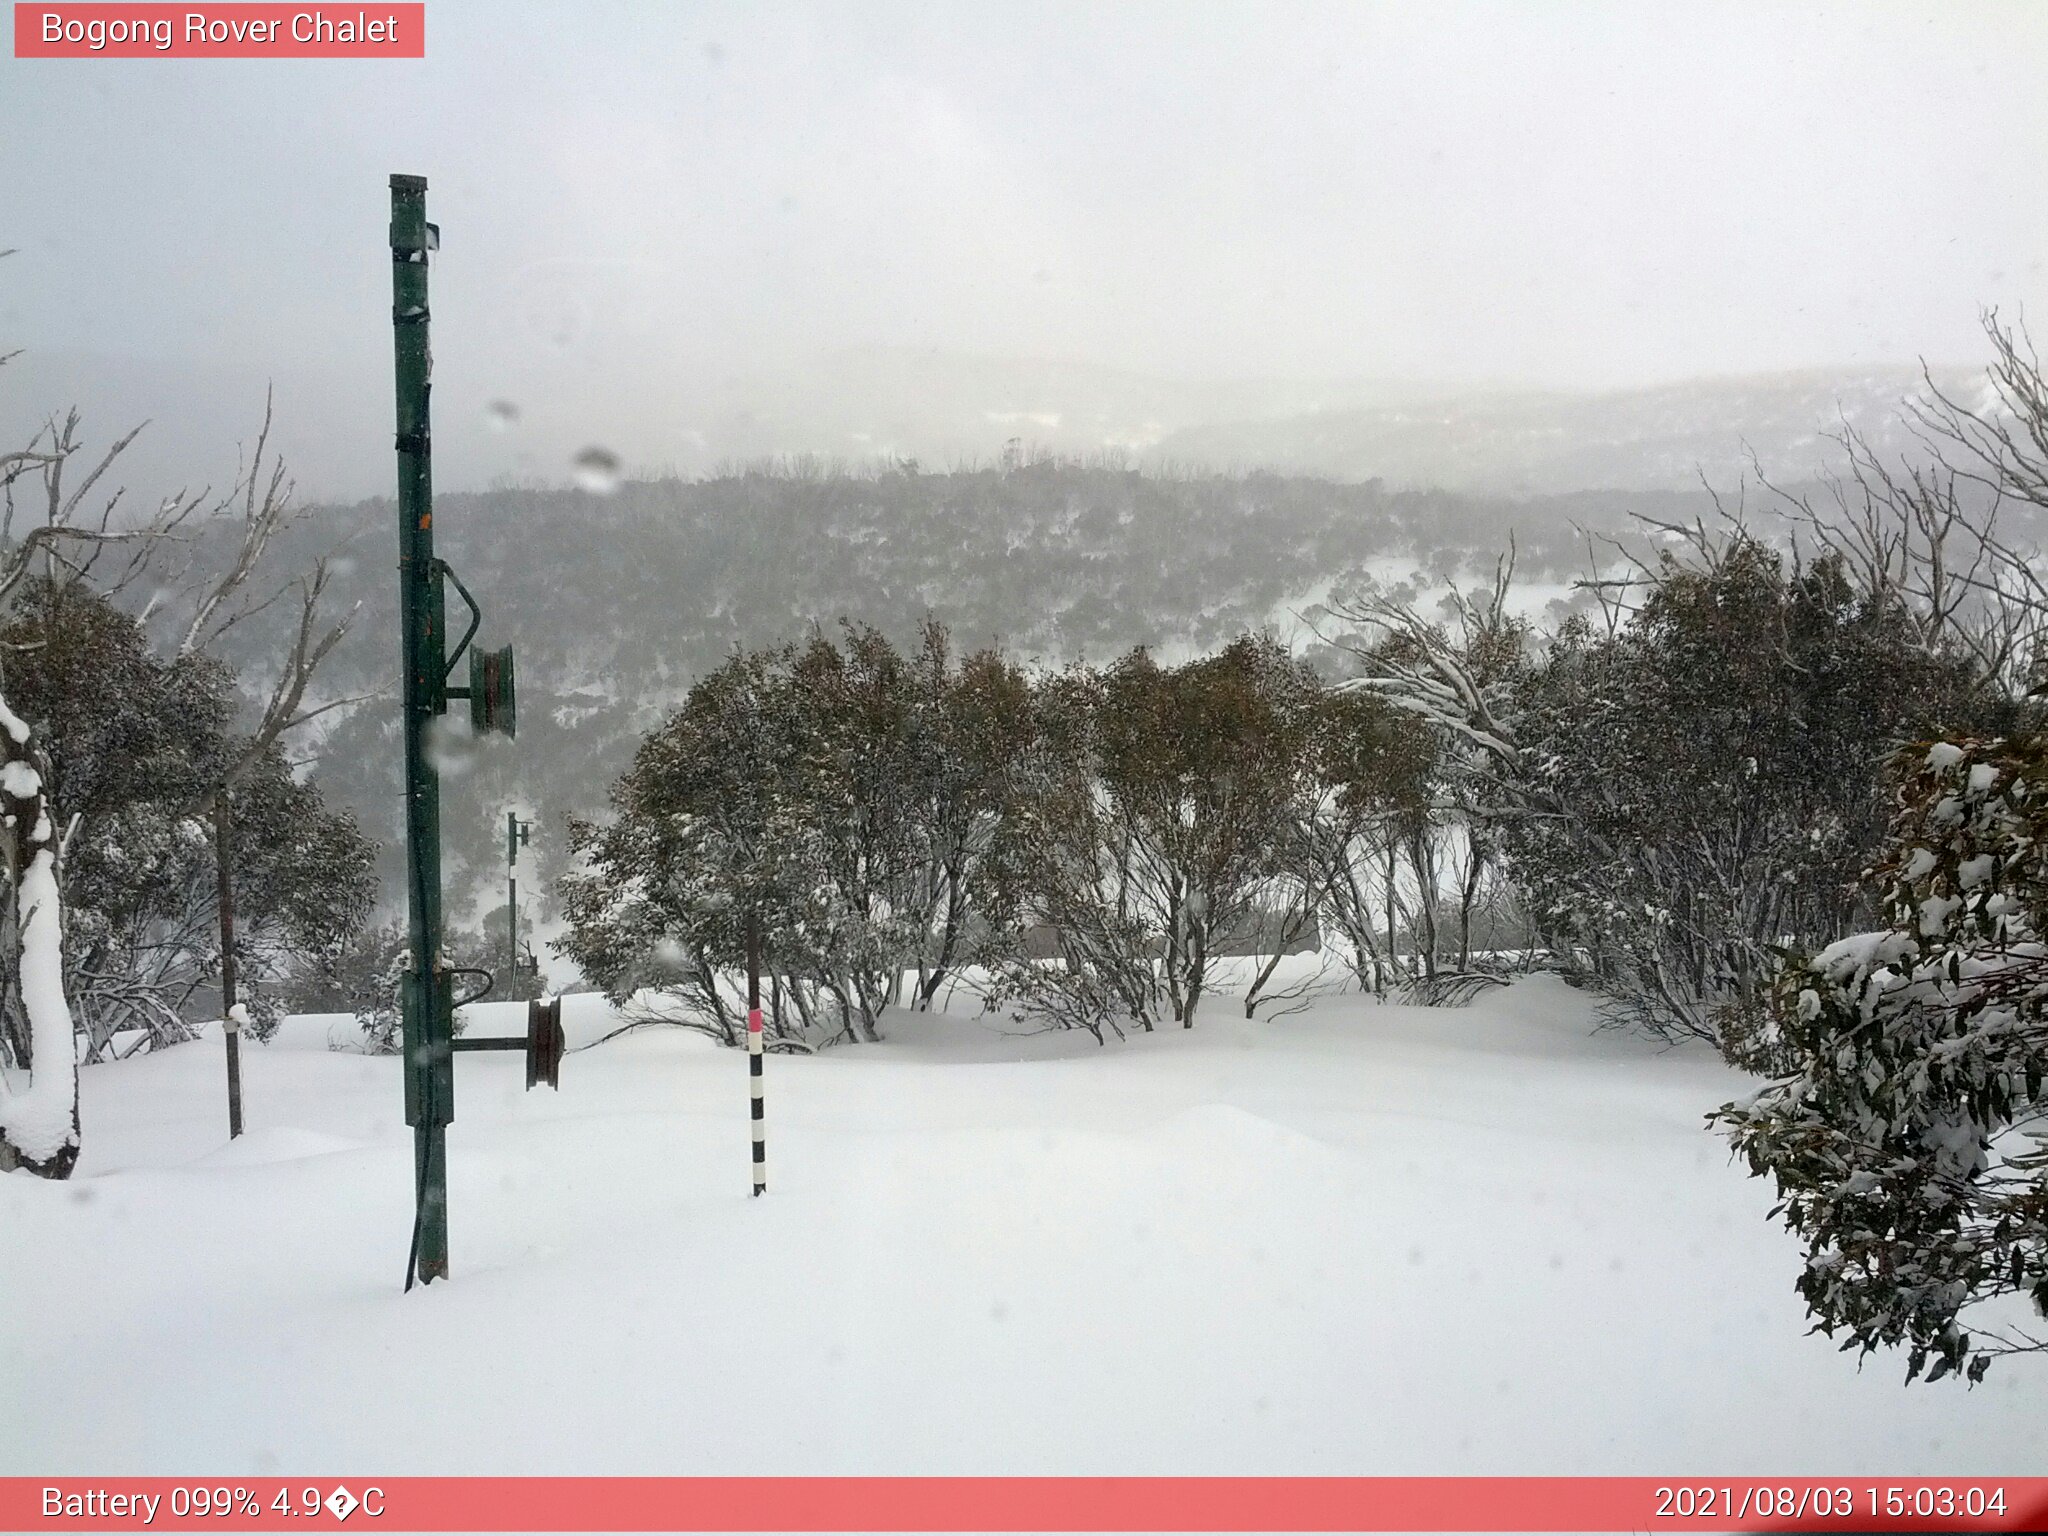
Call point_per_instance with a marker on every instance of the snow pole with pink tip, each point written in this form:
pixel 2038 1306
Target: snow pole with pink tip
pixel 756 1040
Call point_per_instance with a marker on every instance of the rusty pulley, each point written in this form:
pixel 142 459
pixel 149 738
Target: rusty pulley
pixel 545 1042
pixel 493 705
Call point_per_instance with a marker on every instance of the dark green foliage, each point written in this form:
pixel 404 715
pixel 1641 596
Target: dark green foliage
pixel 621 602
pixel 1704 784
pixel 1159 808
pixel 844 796
pixel 1088 841
pixel 1371 771
pixel 1906 1139
pixel 137 744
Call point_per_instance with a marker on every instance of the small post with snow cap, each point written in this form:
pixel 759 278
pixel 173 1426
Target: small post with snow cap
pixel 756 1040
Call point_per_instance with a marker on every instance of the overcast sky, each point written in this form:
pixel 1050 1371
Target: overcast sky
pixel 643 205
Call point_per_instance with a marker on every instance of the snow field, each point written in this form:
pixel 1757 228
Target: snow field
pixel 1355 1240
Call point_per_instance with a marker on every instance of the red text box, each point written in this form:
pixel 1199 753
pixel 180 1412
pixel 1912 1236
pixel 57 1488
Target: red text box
pixel 102 31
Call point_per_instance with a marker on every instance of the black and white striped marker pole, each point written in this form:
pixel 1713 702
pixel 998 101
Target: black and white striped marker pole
pixel 755 1042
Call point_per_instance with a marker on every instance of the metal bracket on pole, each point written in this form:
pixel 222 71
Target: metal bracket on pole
pixel 476 619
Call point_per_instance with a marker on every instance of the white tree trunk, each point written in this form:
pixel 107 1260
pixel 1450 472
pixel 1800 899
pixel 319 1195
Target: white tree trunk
pixel 39 1118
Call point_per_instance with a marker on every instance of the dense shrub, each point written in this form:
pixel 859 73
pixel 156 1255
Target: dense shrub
pixel 1909 1138
pixel 1706 782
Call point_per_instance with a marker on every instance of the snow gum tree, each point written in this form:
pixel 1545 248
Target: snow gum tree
pixel 137 746
pixel 1199 763
pixel 1159 815
pixel 1442 782
pixel 1717 768
pixel 1068 943
pixel 846 799
pixel 39 1097
pixel 1090 841
pixel 968 727
pixel 1368 786
pixel 690 847
pixel 103 931
pixel 1909 1139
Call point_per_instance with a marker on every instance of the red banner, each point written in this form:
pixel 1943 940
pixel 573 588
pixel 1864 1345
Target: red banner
pixel 369 30
pixel 1027 1504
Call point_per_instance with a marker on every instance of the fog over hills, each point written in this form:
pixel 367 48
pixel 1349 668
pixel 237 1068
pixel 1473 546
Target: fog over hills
pixel 947 409
pixel 1669 437
pixel 1409 433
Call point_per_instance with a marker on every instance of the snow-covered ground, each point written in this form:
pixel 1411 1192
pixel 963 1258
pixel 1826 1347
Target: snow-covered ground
pixel 1357 1240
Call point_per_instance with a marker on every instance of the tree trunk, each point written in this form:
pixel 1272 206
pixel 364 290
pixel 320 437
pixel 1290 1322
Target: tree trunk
pixel 230 1026
pixel 1393 877
pixel 1251 996
pixel 39 1129
pixel 1423 857
pixel 707 980
pixel 1297 921
pixel 1467 895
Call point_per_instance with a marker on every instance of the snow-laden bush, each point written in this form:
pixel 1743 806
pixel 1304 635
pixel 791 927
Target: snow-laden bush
pixel 842 799
pixel 380 1014
pixel 260 1014
pixel 1701 787
pixel 1909 1140
pixel 1158 807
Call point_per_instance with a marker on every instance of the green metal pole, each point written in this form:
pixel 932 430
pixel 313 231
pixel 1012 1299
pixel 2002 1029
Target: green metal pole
pixel 427 993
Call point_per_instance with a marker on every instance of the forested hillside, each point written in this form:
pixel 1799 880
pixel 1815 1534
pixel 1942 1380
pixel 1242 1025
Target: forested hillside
pixel 617 599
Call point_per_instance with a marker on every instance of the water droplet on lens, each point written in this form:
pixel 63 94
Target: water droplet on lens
pixel 503 415
pixel 597 471
pixel 450 752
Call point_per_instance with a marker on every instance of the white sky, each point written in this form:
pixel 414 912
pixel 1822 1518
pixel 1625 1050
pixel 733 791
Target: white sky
pixel 643 200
